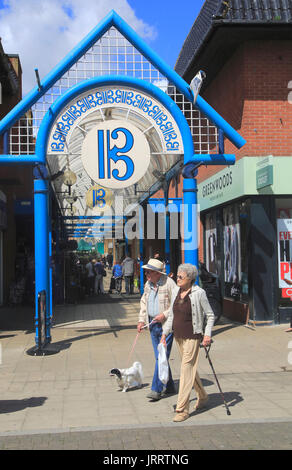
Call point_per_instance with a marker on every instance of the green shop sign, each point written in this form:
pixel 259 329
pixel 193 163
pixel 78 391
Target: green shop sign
pixel 249 176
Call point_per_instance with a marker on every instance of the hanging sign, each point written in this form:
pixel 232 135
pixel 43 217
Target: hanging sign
pixel 98 198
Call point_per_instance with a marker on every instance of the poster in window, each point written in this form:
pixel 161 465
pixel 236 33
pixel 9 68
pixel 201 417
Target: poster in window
pixel 211 244
pixel 285 213
pixel 232 255
pixel 284 231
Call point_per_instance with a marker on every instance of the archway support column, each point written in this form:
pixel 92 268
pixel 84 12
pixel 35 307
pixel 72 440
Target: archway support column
pixel 190 221
pixel 41 233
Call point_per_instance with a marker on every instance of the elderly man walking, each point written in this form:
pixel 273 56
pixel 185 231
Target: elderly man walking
pixel 154 307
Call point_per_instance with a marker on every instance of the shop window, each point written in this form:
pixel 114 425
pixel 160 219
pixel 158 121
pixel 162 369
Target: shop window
pixel 284 240
pixel 211 241
pixel 235 235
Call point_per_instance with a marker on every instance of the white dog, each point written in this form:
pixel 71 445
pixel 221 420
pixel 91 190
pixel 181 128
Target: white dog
pixel 127 378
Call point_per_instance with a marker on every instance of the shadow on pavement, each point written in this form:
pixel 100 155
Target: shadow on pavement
pixel 66 343
pixel 10 406
pixel 215 400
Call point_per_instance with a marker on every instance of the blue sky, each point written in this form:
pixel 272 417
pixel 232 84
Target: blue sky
pixel 42 32
pixel 172 19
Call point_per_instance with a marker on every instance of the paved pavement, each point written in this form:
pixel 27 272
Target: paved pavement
pixel 68 400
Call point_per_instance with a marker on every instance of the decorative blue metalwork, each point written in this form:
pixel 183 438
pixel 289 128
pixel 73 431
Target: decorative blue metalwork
pixel 41 184
pixel 136 84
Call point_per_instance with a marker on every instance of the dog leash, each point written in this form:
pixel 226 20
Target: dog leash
pixel 135 341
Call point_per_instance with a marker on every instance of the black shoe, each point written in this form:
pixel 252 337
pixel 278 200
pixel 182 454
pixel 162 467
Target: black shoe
pixel 155 396
pixel 168 391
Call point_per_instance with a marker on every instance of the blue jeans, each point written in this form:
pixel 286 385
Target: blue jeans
pixel 156 333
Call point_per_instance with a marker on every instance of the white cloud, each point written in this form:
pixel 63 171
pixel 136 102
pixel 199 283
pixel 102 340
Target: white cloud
pixel 42 32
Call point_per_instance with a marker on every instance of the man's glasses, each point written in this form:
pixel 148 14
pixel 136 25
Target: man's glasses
pixel 181 277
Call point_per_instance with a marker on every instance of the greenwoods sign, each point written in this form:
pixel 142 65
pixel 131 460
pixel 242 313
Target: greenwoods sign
pixel 243 179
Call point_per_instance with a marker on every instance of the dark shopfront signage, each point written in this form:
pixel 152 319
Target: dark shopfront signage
pixel 23 207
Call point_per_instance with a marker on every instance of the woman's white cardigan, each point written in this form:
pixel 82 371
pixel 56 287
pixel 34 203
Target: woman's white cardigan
pixel 201 310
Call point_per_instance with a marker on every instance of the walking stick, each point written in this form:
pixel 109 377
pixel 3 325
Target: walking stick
pixel 210 362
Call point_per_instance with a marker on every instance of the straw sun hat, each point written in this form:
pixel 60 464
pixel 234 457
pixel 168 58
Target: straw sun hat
pixel 154 265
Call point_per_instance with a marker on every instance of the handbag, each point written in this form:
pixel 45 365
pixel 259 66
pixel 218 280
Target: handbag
pixel 104 273
pixel 163 369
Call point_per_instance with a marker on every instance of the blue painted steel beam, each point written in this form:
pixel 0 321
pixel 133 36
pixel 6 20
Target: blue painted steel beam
pixel 141 246
pixel 190 212
pixel 42 281
pixel 167 231
pixel 6 143
pixel 18 159
pixel 213 159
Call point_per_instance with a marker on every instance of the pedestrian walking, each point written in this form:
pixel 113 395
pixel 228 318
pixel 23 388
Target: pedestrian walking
pixel 100 272
pixel 158 256
pixel 109 259
pixel 188 312
pixel 128 274
pixel 118 275
pixel 90 276
pixel 154 309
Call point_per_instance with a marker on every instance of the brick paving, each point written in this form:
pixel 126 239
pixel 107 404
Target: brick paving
pixel 69 401
pixel 236 436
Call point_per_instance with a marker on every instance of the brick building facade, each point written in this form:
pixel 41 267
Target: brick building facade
pixel 245 49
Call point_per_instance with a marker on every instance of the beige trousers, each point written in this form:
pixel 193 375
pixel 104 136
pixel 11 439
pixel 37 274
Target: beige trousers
pixel 189 377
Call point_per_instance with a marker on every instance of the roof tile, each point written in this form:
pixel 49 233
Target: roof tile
pixel 230 11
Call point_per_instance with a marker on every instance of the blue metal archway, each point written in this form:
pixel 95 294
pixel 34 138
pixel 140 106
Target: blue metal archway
pixel 41 189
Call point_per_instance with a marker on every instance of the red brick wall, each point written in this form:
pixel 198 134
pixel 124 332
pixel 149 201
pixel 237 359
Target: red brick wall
pixel 251 93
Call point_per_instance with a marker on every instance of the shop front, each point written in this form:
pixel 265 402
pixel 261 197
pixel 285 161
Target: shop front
pixel 247 218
